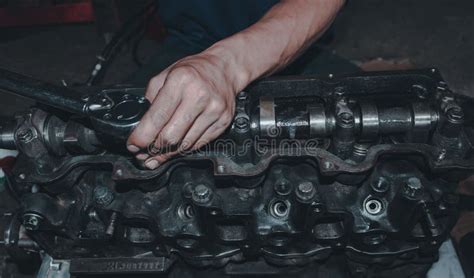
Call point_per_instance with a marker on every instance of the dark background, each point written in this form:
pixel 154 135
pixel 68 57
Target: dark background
pixel 421 33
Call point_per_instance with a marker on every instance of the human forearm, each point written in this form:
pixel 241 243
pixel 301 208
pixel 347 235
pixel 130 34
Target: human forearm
pixel 193 100
pixel 276 40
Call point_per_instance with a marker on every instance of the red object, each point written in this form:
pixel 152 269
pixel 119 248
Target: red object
pixel 6 163
pixel 51 14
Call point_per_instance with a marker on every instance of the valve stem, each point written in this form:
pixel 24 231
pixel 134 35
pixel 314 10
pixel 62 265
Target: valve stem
pixel 112 224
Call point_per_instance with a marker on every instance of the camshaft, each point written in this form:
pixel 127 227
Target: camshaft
pixel 312 118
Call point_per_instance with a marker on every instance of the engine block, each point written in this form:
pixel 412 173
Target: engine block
pixel 359 170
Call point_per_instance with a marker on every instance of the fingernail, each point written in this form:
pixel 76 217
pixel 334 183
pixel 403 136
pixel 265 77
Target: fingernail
pixel 142 156
pixel 133 148
pixel 152 164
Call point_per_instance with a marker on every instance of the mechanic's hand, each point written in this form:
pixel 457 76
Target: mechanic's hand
pixel 192 103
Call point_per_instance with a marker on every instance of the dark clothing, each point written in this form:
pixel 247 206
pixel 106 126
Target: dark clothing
pixel 466 246
pixel 200 23
pixel 194 25
pixel 315 61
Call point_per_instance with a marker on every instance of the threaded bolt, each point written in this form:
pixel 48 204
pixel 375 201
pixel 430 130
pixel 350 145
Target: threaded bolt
pixel 32 221
pixel 25 135
pixel 305 191
pixel 103 196
pixel 282 187
pixel 242 96
pixel 112 224
pixel 202 194
pixel 455 114
pixel 381 185
pixel 413 188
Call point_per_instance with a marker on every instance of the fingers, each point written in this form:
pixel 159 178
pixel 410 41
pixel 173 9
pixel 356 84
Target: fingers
pixel 197 130
pixel 181 121
pixel 175 130
pixel 155 84
pixel 160 112
pixel 188 110
pixel 192 134
pixel 205 128
pixel 213 131
pixel 209 124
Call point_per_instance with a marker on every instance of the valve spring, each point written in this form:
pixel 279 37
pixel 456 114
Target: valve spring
pixel 360 150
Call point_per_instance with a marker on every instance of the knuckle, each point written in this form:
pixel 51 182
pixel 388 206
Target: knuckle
pixel 187 118
pixel 215 128
pixel 153 86
pixel 154 81
pixel 167 138
pixel 217 107
pixel 227 119
pixel 222 125
pixel 184 73
pixel 202 96
pixel 159 116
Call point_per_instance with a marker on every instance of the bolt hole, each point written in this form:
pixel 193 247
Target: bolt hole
pixel 189 212
pixel 282 187
pixel 279 209
pixel 373 206
pixel 186 212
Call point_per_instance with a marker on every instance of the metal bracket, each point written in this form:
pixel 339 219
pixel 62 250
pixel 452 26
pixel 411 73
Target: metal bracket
pixel 51 268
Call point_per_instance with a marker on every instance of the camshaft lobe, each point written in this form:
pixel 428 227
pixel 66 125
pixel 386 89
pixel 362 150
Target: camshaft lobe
pixel 7 134
pixel 285 118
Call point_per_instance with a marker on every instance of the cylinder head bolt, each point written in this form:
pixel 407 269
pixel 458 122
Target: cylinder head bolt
pixel 305 191
pixel 25 135
pixel 282 187
pixel 32 221
pixel 380 186
pixel 202 194
pixel 455 114
pixel 413 188
pixel 453 123
pixel 103 196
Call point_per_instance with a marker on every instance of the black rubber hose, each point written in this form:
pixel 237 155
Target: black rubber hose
pixel 49 94
pixel 125 34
